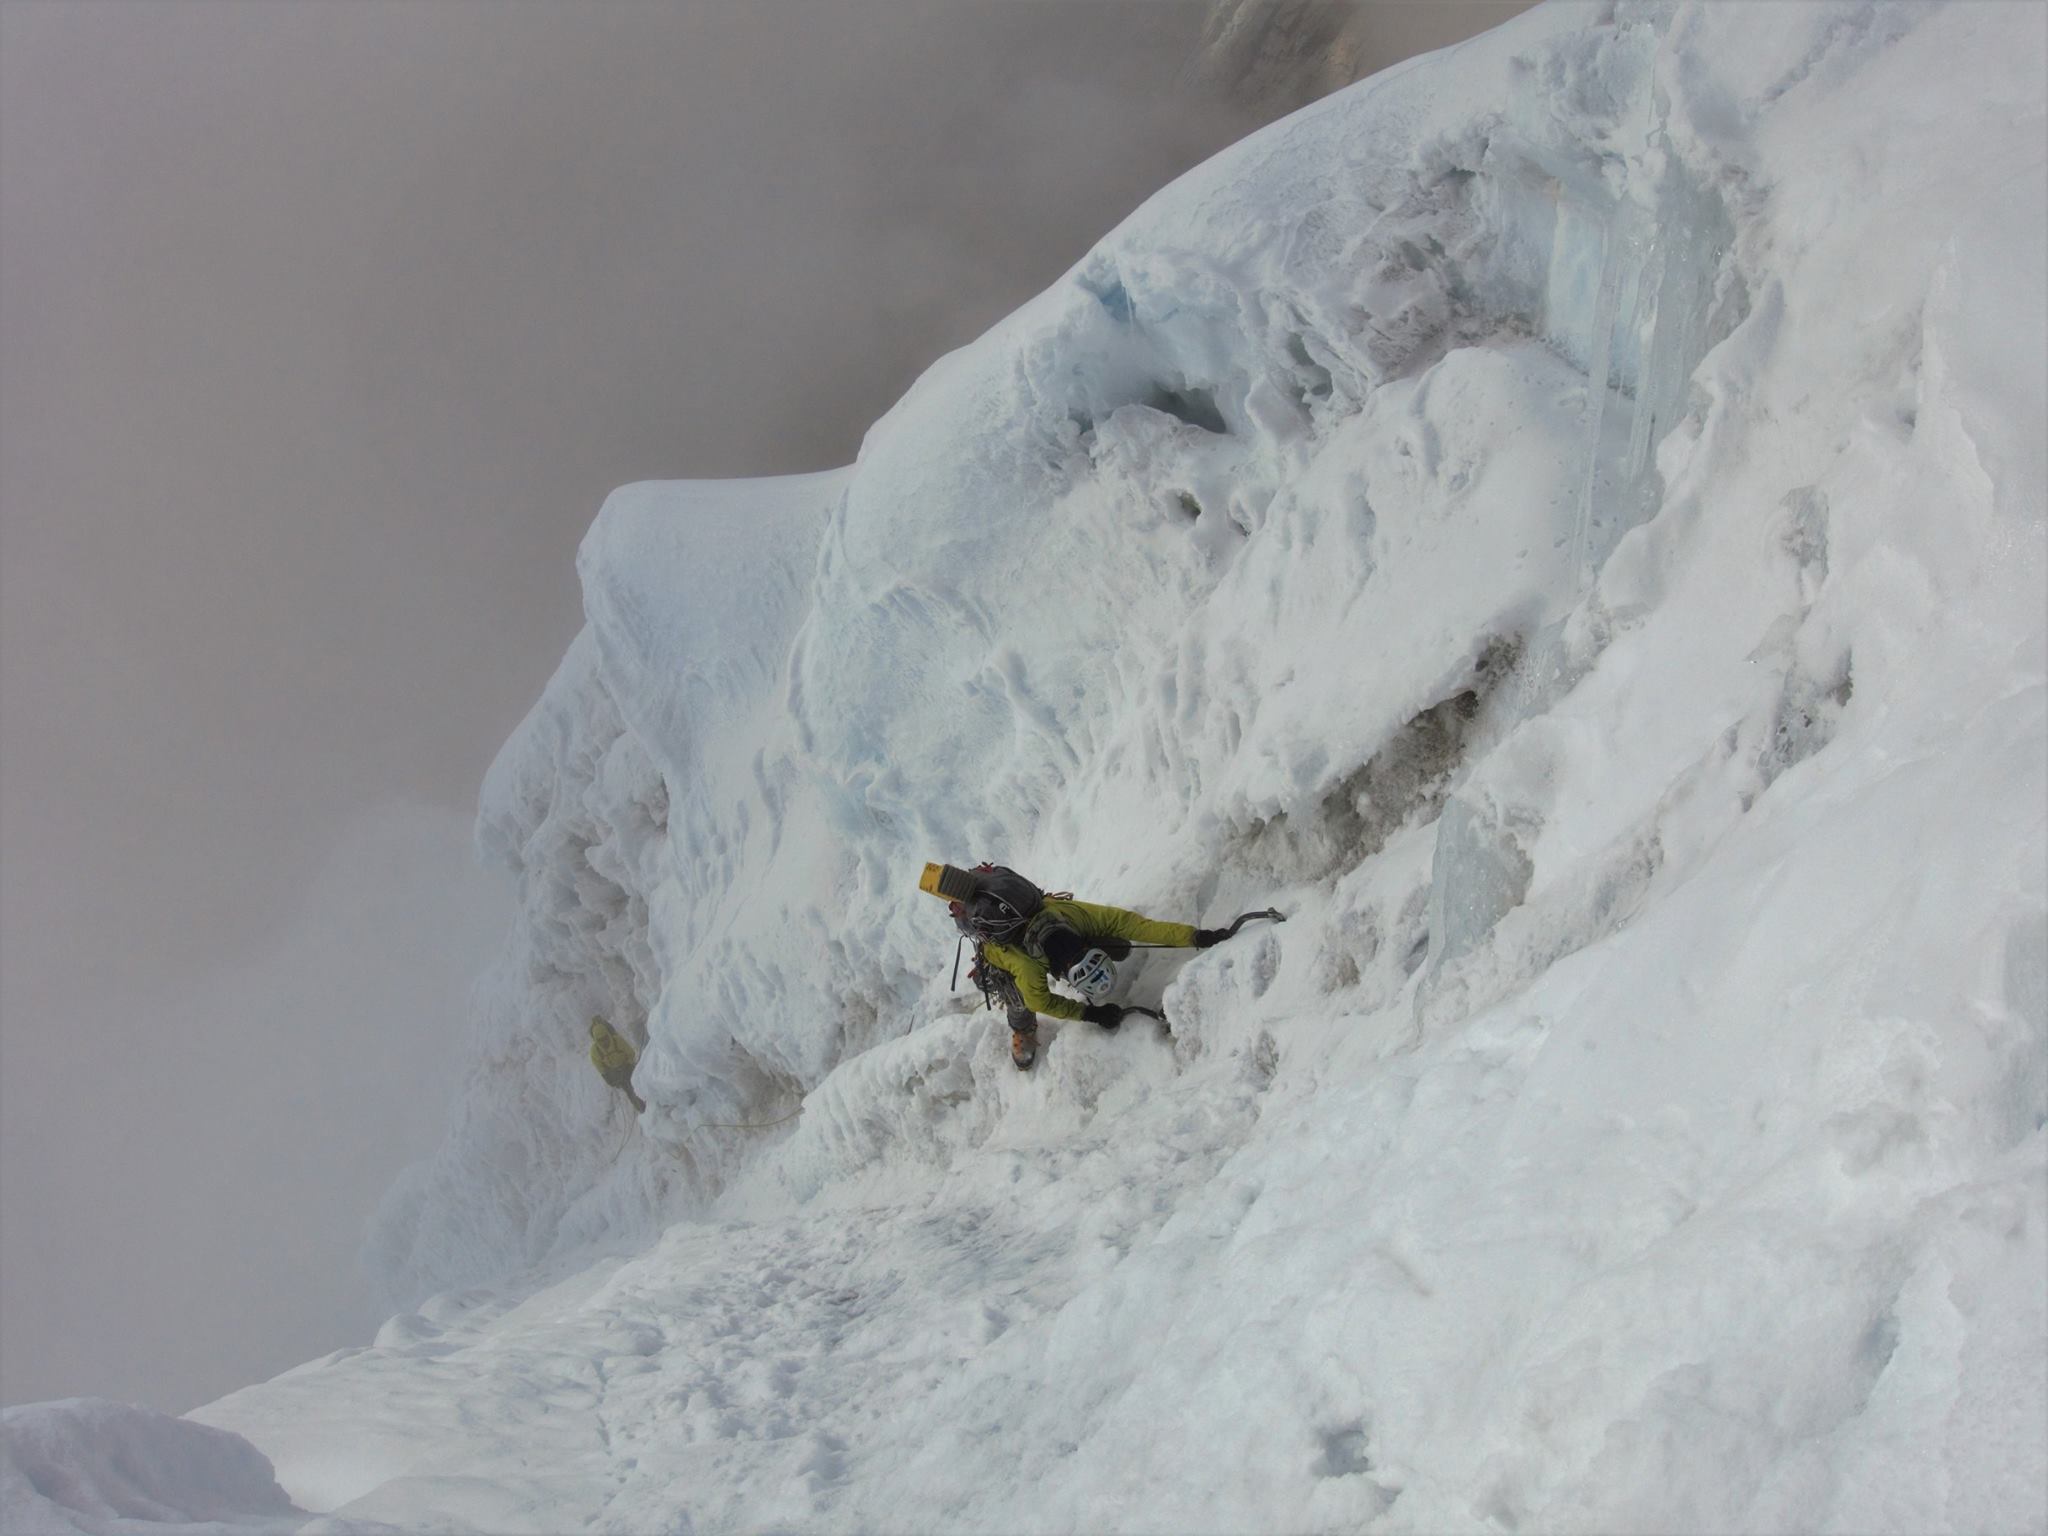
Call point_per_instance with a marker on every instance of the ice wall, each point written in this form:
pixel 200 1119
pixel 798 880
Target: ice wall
pixel 1281 550
pixel 1626 275
pixel 1565 522
pixel 1077 572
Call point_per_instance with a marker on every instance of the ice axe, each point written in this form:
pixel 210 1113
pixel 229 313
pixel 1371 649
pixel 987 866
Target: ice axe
pixel 1266 914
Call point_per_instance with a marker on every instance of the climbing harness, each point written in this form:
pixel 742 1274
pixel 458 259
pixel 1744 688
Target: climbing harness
pixel 995 984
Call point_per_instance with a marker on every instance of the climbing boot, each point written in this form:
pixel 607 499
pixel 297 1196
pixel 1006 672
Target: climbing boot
pixel 1024 1046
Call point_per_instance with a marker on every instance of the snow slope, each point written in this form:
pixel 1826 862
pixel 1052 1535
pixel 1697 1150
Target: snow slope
pixel 1565 520
pixel 89 1465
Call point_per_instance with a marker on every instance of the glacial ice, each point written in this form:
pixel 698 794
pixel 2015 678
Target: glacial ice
pixel 1412 421
pixel 1632 288
pixel 1562 520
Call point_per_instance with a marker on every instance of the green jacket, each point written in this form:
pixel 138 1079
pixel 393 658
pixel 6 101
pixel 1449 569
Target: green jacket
pixel 610 1053
pixel 1091 922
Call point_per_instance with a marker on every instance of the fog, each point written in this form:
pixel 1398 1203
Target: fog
pixel 324 327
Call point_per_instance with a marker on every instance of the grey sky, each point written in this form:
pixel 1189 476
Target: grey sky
pixel 324 327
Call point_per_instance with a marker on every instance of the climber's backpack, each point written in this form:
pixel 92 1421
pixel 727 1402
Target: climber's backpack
pixel 989 901
pixel 1001 904
pixel 1007 909
pixel 993 904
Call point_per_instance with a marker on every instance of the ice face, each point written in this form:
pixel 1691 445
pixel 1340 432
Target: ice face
pixel 1479 875
pixel 1375 529
pixel 1631 292
pixel 1285 466
pixel 1626 290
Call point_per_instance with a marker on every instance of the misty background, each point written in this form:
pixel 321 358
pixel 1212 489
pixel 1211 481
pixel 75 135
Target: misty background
pixel 324 329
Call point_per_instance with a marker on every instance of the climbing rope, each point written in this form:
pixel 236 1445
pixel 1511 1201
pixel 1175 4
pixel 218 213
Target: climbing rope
pixel 621 1147
pixel 709 1125
pixel 1270 914
pixel 763 1125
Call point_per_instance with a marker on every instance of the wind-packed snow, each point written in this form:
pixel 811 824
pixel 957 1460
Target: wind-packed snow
pixel 89 1465
pixel 1564 520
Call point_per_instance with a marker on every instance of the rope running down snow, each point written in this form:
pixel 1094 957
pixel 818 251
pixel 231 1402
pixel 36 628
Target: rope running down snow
pixel 714 1125
pixel 769 1125
pixel 709 1126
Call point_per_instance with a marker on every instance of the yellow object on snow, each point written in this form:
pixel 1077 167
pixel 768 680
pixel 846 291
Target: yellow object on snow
pixel 614 1057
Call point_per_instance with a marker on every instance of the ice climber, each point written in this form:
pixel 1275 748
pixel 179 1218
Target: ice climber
pixel 1024 937
pixel 615 1058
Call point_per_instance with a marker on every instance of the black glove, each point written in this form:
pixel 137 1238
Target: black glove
pixel 1108 1015
pixel 1207 938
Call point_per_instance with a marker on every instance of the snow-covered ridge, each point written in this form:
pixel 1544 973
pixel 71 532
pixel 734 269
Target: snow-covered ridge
pixel 1565 519
pixel 85 1465
pixel 1034 606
